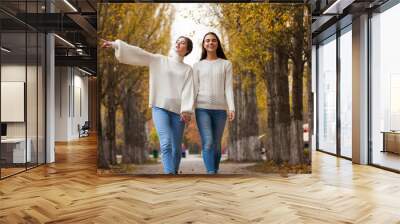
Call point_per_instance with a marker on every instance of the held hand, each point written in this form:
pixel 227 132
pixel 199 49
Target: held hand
pixel 106 43
pixel 186 117
pixel 231 115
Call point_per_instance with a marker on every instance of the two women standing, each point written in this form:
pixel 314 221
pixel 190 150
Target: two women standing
pixel 174 92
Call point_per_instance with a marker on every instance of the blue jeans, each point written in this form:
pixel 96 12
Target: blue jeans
pixel 211 124
pixel 170 132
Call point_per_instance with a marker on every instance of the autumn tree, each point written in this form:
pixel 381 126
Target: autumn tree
pixel 263 40
pixel 126 86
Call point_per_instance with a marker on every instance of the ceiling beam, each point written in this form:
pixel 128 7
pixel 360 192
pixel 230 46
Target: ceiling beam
pixel 82 61
pixel 84 24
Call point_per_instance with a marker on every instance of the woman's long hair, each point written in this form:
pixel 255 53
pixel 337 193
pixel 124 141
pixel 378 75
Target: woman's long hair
pixel 189 44
pixel 220 51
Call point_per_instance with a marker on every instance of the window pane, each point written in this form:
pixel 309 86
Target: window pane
pixel 327 96
pixel 385 88
pixel 345 94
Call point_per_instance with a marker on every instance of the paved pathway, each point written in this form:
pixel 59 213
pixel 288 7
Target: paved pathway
pixel 193 164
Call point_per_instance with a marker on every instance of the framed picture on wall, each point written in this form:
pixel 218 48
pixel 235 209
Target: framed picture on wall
pixel 12 101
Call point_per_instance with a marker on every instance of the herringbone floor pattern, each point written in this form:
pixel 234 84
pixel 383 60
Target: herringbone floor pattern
pixel 70 191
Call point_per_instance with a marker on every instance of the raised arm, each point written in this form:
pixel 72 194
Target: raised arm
pixel 229 87
pixel 129 54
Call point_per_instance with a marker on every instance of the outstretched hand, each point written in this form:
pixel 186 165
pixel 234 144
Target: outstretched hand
pixel 106 43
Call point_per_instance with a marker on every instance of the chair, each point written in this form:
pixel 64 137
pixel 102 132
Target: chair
pixel 84 130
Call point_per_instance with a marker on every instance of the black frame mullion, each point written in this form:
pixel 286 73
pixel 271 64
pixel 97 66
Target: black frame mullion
pixel 316 97
pixel 0 94
pixel 26 87
pixel 338 72
pixel 69 92
pixel 369 91
pixel 45 88
pixel 73 91
pixel 37 91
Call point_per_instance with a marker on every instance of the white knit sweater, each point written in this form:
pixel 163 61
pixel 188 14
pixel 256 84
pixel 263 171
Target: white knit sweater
pixel 213 84
pixel 171 80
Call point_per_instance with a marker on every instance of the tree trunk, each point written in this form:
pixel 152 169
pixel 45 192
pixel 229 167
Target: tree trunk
pixel 107 145
pixel 278 127
pixel 234 126
pixel 102 161
pixel 244 144
pixel 102 156
pixel 110 142
pixel 134 130
pixel 296 128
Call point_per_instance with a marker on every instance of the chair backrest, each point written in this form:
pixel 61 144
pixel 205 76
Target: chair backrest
pixel 86 125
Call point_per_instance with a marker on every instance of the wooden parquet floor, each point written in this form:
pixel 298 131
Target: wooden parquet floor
pixel 70 191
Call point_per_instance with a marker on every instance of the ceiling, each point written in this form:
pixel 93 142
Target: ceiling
pixel 76 20
pixel 72 20
pixel 330 15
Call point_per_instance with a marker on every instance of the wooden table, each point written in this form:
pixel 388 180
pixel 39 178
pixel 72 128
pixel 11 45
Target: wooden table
pixel 391 141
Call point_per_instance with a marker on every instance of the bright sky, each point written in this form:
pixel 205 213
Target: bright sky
pixel 184 25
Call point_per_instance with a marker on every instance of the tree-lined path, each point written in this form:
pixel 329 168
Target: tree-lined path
pixel 269 47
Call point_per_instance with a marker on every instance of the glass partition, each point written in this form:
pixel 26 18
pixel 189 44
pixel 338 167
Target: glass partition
pixel 14 145
pixel 327 95
pixel 22 63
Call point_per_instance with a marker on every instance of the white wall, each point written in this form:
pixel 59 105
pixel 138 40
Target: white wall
pixel 71 94
pixel 33 126
pixel 13 73
pixel 80 111
pixel 50 96
pixel 62 81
